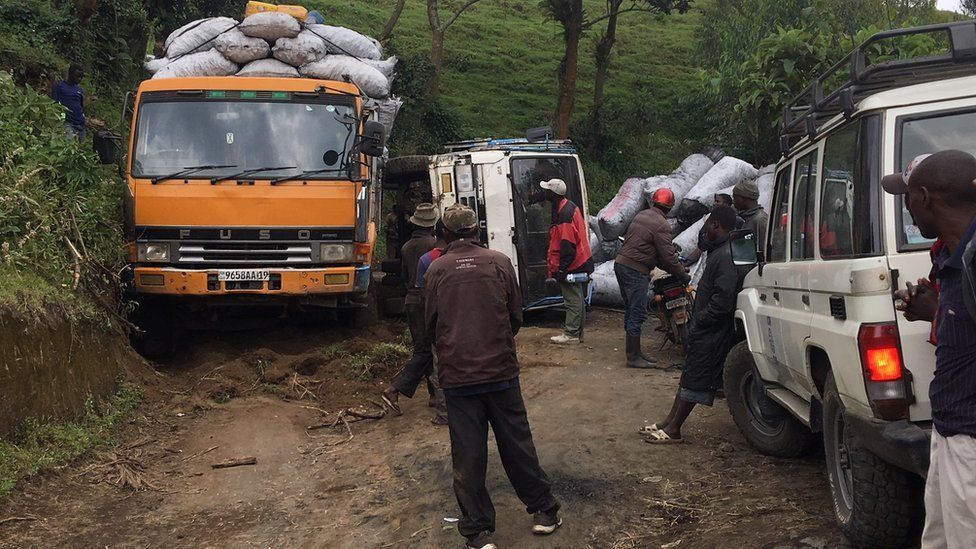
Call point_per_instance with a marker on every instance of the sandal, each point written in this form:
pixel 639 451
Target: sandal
pixel 393 405
pixel 660 437
pixel 647 430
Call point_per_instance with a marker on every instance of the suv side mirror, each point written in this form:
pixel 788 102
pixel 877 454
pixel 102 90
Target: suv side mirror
pixel 373 140
pixel 743 246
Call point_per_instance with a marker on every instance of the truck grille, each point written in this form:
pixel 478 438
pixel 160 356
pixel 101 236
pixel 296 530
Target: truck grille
pixel 245 253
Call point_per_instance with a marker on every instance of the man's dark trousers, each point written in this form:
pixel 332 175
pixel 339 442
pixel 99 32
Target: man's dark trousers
pixel 633 288
pixel 421 363
pixel 468 419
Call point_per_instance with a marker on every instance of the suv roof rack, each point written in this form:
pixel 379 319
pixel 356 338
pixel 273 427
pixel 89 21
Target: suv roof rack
pixel 806 115
pixel 520 144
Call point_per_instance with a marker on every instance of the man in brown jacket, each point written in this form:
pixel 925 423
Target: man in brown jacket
pixel 474 310
pixel 647 245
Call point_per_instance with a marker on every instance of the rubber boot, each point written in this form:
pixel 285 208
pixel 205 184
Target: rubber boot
pixel 634 357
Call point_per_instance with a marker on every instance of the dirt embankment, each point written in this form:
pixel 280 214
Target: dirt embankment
pixel 51 361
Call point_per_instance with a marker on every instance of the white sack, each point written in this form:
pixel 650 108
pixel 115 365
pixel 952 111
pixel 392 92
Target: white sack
pixel 698 269
pixel 240 48
pixel 688 239
pixel 343 41
pixel 197 36
pixel 728 172
pixel 156 65
pixel 301 50
pixel 386 111
pixel 271 25
pixel 602 251
pixel 683 179
pixel 606 291
pixel 345 68
pixel 386 67
pixel 616 216
pixel 766 184
pixel 269 68
pixel 208 63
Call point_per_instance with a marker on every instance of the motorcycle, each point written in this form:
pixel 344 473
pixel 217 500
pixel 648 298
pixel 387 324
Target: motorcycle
pixel 673 301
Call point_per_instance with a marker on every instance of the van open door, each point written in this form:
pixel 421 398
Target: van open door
pixel 533 217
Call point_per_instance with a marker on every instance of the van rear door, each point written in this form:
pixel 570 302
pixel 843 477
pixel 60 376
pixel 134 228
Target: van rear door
pixel 533 217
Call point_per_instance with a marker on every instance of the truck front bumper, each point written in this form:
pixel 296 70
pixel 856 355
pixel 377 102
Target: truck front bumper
pixel 900 443
pixel 285 282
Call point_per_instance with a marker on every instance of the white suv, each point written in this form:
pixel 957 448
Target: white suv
pixel 824 351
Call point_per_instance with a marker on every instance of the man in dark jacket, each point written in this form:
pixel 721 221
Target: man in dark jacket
pixel 474 310
pixel 421 364
pixel 69 93
pixel 712 332
pixel 647 245
pixel 569 254
pixel 745 197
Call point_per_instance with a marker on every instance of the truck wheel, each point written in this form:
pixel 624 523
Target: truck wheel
pixel 407 168
pixel 764 423
pixel 159 333
pixel 876 503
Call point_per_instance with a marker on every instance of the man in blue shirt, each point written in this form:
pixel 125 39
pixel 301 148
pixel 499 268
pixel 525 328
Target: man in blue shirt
pixel 941 196
pixel 69 93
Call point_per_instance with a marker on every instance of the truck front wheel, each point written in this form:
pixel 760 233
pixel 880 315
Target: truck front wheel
pixel 876 504
pixel 765 424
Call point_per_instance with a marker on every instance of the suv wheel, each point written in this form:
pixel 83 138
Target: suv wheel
pixel 764 423
pixel 876 503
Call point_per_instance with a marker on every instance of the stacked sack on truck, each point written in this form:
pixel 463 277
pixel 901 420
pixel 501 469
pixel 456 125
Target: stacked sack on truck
pixel 272 42
pixel 694 184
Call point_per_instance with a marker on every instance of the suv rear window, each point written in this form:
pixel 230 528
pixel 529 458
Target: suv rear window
pixel 929 134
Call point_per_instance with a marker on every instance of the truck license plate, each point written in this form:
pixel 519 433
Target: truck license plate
pixel 242 275
pixel 677 303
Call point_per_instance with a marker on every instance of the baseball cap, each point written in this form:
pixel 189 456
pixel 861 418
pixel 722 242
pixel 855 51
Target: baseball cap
pixel 557 186
pixel 897 183
pixel 459 219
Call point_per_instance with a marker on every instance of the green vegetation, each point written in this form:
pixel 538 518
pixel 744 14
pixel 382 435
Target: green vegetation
pixel 59 209
pixel 38 446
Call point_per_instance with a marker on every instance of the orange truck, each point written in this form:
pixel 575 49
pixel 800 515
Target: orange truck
pixel 248 191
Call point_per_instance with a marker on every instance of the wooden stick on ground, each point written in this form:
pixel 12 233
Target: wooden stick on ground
pixel 236 462
pixel 17 519
pixel 198 454
pixel 77 259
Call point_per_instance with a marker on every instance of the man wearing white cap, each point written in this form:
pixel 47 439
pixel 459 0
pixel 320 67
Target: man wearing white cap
pixel 570 259
pixel 940 192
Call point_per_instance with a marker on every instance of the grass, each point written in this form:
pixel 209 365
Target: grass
pixel 501 59
pixel 39 446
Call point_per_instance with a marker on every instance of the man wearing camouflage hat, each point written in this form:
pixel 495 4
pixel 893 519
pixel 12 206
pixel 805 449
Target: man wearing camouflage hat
pixel 474 310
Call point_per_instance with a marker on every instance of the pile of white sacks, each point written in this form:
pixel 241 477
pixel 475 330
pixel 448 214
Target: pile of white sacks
pixel 275 44
pixel 694 184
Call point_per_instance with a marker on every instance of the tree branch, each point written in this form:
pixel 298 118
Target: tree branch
pixel 458 13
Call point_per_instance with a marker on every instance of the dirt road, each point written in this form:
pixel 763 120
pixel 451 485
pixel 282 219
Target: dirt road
pixel 389 485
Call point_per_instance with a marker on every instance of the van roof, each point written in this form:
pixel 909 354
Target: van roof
pixel 247 83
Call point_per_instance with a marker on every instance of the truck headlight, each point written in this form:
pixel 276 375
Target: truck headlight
pixel 154 252
pixel 336 253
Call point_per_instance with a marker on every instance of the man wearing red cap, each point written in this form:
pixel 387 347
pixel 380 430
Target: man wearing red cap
pixel 647 245
pixel 940 192
pixel 569 255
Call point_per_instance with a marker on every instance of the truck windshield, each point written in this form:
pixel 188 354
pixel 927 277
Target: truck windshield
pixel 954 130
pixel 243 135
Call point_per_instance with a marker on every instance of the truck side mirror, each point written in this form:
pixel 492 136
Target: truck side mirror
pixel 743 246
pixel 373 140
pixel 107 146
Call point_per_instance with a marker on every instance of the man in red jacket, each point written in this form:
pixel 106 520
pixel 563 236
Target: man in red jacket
pixel 569 256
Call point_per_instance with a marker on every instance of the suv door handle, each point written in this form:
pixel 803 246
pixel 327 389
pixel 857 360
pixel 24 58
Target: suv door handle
pixel 776 296
pixel 805 299
pixel 762 297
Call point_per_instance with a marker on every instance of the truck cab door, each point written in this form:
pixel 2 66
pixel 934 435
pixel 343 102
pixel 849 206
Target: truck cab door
pixel 533 218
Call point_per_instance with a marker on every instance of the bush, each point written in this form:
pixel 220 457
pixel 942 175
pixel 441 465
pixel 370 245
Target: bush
pixel 52 192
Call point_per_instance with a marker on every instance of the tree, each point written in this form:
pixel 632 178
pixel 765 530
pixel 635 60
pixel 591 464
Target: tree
pixel 392 22
pixel 969 7
pixel 438 27
pixel 571 15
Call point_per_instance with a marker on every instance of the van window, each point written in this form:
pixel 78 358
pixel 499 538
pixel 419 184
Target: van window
pixel 923 135
pixel 804 202
pixel 780 218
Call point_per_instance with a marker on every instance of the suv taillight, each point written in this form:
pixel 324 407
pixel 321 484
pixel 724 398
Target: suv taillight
pixel 884 373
